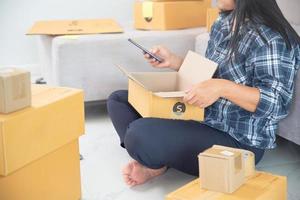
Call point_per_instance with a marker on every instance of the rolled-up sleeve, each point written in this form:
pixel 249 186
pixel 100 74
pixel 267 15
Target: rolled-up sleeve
pixel 274 71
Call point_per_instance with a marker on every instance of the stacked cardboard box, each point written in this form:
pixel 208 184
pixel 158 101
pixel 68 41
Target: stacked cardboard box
pixel 15 90
pixel 170 14
pixel 39 156
pixel 229 173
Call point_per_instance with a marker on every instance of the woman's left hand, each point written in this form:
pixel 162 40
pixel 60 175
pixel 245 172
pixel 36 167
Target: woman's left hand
pixel 205 93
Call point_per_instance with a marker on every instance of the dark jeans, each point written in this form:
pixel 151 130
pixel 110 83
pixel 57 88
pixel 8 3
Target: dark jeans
pixel 156 143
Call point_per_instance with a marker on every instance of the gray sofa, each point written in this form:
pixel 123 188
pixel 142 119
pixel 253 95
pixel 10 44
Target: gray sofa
pixel 87 62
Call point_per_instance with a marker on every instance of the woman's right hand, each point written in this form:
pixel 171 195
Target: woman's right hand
pixel 170 60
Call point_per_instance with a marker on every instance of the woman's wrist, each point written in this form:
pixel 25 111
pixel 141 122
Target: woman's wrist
pixel 226 87
pixel 176 62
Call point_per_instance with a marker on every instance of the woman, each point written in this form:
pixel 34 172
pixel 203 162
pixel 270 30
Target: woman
pixel 258 55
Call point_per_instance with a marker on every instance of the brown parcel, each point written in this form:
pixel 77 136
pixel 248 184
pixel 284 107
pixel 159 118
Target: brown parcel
pixel 249 159
pixel 169 15
pixel 55 118
pixel 56 176
pixel 159 94
pixel 262 186
pixel 15 91
pixel 221 169
pixel 74 27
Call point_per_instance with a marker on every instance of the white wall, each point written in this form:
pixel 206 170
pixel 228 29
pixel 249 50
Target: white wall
pixel 17 16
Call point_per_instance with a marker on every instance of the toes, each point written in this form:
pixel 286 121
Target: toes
pixel 133 183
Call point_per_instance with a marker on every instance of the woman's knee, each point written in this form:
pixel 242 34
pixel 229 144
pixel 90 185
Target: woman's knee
pixel 119 95
pixel 137 135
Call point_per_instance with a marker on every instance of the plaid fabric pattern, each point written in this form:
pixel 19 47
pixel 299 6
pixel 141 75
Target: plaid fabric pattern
pixel 265 64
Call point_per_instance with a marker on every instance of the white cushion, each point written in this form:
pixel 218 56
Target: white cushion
pixel 201 43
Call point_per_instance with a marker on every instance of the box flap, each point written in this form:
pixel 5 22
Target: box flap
pixel 129 75
pixel 195 69
pixel 73 27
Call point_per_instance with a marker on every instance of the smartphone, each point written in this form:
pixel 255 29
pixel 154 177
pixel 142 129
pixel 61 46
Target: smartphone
pixel 145 51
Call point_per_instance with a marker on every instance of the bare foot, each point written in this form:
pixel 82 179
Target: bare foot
pixel 135 174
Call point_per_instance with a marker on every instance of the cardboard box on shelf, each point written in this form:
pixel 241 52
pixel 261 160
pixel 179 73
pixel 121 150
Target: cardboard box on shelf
pixel 159 94
pixel 221 169
pixel 212 16
pixel 149 15
pixel 75 27
pixel 54 176
pixel 262 186
pixel 15 89
pixel 55 118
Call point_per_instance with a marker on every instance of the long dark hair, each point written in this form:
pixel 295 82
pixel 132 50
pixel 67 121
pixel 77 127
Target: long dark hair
pixel 266 12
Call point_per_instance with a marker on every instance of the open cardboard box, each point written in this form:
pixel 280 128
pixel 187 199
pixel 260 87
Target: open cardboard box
pixel 159 94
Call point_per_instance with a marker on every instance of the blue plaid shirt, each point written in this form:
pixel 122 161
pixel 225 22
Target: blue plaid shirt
pixel 268 66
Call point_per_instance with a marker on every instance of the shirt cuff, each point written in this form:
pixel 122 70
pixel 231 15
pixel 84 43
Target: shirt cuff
pixel 266 103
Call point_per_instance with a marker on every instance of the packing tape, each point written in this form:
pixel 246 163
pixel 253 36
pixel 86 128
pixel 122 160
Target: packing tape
pixel 147 10
pixel 249 159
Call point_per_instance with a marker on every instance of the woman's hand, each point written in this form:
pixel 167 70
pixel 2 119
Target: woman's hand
pixel 170 59
pixel 205 93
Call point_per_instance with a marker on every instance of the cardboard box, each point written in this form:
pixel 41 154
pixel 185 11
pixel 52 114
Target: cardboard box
pixel 55 176
pixel 221 169
pixel 55 119
pixel 262 186
pixel 75 27
pixel 249 159
pixel 169 15
pixel 212 16
pixel 159 94
pixel 15 89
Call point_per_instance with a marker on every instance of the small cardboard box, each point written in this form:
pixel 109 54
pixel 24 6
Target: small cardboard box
pixel 159 94
pixel 262 186
pixel 15 89
pixel 56 176
pixel 212 16
pixel 75 27
pixel 169 15
pixel 249 159
pixel 222 169
pixel 55 118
